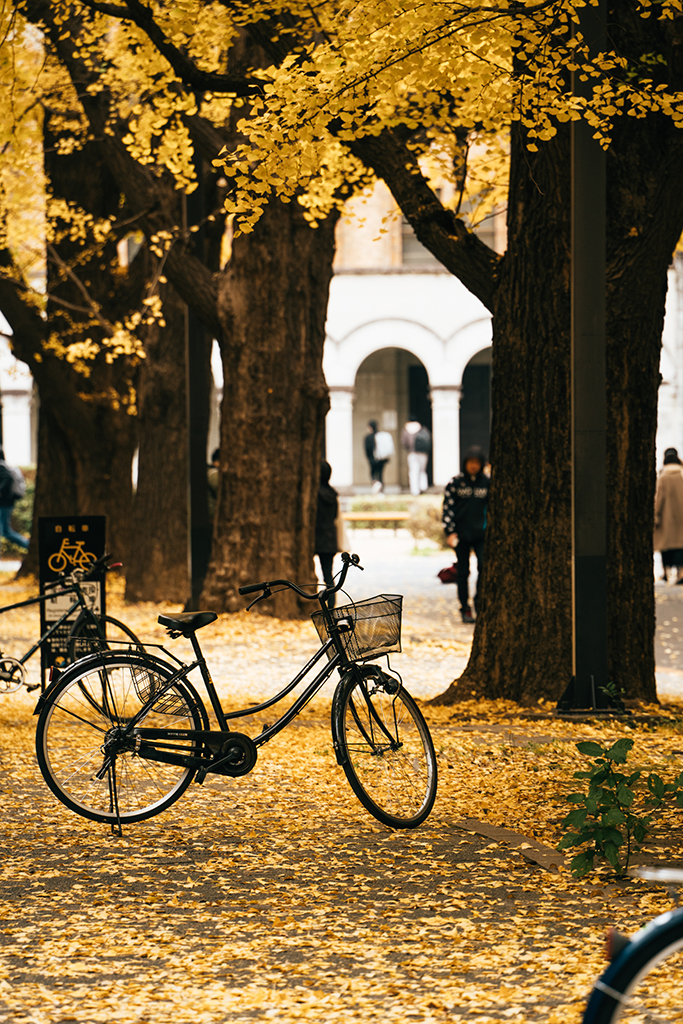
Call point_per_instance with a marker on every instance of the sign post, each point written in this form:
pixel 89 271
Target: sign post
pixel 66 543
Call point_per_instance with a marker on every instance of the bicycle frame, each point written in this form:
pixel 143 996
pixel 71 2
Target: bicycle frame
pixel 161 738
pixel 80 601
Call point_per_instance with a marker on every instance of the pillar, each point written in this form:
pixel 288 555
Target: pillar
pixel 445 432
pixel 339 436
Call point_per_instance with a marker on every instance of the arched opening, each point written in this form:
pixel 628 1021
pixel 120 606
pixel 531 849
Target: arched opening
pixel 391 384
pixel 475 402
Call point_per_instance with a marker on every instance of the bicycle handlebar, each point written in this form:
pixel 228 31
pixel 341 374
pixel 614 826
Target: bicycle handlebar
pixel 347 559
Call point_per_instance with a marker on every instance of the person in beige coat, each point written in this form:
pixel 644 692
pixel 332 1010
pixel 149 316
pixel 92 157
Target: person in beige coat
pixel 668 537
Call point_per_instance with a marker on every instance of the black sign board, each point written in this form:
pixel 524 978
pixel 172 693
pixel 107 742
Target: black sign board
pixel 66 543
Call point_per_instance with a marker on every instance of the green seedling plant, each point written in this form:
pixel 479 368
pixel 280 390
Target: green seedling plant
pixel 605 820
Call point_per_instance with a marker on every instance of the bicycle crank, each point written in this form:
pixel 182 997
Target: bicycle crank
pixel 237 756
pixel 12 674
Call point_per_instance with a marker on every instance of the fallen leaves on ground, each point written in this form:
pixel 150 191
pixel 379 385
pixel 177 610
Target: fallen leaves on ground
pixel 275 896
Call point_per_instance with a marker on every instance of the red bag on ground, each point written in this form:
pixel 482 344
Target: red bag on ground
pixel 449 574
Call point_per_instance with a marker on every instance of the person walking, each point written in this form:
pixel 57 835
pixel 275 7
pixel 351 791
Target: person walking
pixel 417 441
pixel 464 522
pixel 379 447
pixel 327 512
pixel 668 535
pixel 12 487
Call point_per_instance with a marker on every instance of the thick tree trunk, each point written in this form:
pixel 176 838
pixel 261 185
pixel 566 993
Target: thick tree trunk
pixel 87 431
pixel 522 642
pixel 157 568
pixel 272 307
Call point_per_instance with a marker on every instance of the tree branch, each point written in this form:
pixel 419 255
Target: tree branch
pixel 185 69
pixel 439 230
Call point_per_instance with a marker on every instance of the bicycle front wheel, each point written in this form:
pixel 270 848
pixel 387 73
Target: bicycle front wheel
pixel 87 711
pixel 644 985
pixel 101 633
pixel 384 746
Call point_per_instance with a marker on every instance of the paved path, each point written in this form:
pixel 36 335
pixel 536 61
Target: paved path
pixel 435 641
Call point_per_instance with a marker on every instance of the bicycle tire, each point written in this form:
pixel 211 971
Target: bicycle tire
pixel 645 982
pixel 383 744
pixel 84 637
pixel 76 720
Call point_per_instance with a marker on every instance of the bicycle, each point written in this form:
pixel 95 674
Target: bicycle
pixel 88 632
pixel 121 736
pixel 644 982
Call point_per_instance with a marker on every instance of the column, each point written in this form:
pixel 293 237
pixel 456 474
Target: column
pixel 339 436
pixel 445 432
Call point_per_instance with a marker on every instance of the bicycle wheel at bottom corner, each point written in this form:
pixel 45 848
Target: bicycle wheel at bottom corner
pixel 388 754
pixel 649 979
pixel 80 717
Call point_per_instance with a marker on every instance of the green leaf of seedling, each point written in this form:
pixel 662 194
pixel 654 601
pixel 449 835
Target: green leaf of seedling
pixel 656 785
pixel 633 778
pixel 612 836
pixel 612 855
pixel 581 864
pixel 618 752
pixel 625 795
pixel 591 748
pixel 613 817
pixel 571 839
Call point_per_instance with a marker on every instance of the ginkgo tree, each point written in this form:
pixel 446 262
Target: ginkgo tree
pixel 345 90
pixel 97 328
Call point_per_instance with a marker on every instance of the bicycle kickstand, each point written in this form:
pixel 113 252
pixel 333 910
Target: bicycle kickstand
pixel 116 830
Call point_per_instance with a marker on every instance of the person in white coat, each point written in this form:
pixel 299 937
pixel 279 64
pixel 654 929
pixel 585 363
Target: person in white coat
pixel 668 536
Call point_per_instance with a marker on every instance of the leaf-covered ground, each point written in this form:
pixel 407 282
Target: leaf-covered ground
pixel 277 897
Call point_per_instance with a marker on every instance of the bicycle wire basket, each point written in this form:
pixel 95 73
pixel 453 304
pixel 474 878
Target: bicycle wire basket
pixel 375 626
pixel 147 682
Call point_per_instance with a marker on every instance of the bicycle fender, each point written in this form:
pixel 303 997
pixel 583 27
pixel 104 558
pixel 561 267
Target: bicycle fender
pixel 612 982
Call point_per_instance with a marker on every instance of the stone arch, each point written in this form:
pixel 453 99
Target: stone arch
pixel 390 384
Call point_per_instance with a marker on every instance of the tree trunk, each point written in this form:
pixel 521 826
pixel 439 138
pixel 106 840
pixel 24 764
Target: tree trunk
pixel 272 307
pixel 157 568
pixel 87 430
pixel 522 642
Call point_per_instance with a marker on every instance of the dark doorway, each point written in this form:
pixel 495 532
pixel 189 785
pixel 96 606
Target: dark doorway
pixel 475 403
pixel 419 403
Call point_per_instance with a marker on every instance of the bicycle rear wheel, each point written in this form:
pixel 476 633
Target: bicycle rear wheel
pixel 644 985
pixel 88 711
pixel 384 746
pixel 103 634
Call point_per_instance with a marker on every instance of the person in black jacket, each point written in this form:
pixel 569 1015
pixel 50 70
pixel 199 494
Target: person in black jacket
pixel 326 525
pixel 464 521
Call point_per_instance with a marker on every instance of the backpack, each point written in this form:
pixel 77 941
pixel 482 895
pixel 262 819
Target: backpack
pixel 12 484
pixel 18 483
pixel 384 446
pixel 423 441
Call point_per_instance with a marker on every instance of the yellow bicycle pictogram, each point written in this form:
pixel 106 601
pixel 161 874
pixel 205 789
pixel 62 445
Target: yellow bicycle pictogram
pixel 71 554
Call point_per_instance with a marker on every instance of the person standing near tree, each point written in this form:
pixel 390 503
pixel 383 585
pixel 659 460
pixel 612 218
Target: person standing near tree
pixel 668 535
pixel 417 441
pixel 327 512
pixel 464 522
pixel 12 487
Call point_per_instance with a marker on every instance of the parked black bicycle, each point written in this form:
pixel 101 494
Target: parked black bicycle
pixel 90 631
pixel 121 736
pixel 644 982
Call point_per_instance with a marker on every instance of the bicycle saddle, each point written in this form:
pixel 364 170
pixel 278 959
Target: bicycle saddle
pixel 187 622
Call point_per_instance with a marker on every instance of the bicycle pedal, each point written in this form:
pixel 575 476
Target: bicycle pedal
pixel 32 687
